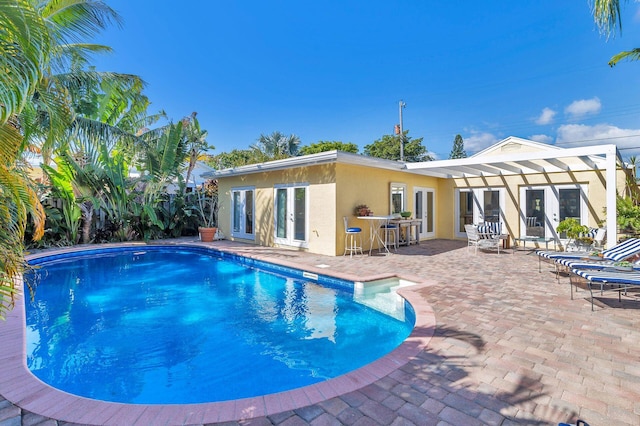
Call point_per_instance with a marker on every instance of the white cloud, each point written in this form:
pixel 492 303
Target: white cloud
pixel 546 116
pixel 541 138
pixel 479 141
pixel 583 107
pixel 571 135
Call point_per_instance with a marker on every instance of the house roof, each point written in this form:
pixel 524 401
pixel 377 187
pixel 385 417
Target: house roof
pixel 508 157
pixel 311 160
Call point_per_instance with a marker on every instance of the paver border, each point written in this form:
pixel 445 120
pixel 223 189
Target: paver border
pixel 20 387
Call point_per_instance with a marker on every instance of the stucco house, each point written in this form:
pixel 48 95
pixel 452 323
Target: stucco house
pixel 528 187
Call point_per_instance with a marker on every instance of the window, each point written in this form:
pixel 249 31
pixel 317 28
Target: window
pixel 242 213
pixel 398 198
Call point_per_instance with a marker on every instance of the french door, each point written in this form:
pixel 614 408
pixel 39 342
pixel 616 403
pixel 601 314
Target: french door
pixel 424 206
pixel 542 208
pixel 477 206
pixel 242 212
pixel 291 215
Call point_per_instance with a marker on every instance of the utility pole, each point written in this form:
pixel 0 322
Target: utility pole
pixel 401 105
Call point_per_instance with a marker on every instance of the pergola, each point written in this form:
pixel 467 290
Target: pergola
pixel 597 157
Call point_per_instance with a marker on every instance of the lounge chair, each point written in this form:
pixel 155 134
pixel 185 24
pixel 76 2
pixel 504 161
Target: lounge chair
pixel 621 251
pixel 609 277
pixel 598 244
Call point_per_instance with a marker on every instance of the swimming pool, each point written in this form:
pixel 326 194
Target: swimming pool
pixel 184 325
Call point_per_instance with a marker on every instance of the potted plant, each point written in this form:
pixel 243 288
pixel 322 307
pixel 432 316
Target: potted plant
pixel 623 266
pixel 573 229
pixel 206 207
pixel 362 210
pixel 596 255
pixel 405 214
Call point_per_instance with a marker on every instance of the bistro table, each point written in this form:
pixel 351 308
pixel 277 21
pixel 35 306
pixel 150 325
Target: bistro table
pixel 375 223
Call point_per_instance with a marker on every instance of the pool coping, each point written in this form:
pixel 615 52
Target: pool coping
pixel 19 386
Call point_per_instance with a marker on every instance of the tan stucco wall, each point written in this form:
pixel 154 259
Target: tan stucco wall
pixel 329 203
pixel 596 192
pixel 321 196
pixel 371 186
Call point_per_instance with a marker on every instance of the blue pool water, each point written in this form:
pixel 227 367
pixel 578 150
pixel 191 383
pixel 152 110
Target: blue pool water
pixel 186 325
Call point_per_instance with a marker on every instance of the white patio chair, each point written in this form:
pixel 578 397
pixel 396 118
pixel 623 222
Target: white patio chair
pixel 484 236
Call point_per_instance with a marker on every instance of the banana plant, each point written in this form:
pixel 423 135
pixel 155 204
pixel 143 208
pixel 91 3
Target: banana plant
pixel 62 189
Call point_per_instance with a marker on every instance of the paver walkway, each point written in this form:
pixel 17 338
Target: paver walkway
pixel 510 347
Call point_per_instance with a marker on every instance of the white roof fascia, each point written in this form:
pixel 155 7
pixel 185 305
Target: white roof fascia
pixel 311 160
pixel 514 163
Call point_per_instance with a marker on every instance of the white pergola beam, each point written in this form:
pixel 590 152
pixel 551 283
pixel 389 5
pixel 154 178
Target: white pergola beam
pixel 533 166
pixel 611 194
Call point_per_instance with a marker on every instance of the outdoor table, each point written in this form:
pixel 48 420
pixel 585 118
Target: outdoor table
pixel 375 223
pixel 534 240
pixel 408 231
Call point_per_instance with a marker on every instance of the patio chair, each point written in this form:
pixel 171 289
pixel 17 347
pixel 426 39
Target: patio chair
pixel 482 240
pixel 608 277
pixel 622 251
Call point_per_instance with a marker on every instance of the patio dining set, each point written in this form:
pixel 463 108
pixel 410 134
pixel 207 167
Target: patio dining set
pixel 385 233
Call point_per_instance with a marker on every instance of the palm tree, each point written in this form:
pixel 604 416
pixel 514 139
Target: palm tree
pixel 277 145
pixel 24 51
pixel 196 139
pixel 606 14
pixel 37 38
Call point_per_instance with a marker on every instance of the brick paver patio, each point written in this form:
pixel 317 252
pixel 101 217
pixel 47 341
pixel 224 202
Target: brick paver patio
pixel 509 347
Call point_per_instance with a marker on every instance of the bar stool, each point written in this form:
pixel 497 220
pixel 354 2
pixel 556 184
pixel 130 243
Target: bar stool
pixel 352 239
pixel 390 229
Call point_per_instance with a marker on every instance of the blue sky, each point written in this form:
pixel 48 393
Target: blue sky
pixel 336 70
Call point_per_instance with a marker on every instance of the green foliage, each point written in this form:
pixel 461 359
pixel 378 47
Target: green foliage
pixel 324 146
pixel 572 228
pixel 62 189
pixel 389 147
pixel 628 212
pixel 458 148
pixel 277 146
pixel 205 204
pixel 606 14
pixel 196 142
pixel 234 158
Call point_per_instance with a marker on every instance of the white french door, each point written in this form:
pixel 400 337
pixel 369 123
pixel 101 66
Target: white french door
pixel 542 208
pixel 242 212
pixel 424 206
pixel 477 206
pixel 291 215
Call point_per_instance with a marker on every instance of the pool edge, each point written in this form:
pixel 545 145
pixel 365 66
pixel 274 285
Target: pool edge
pixel 20 387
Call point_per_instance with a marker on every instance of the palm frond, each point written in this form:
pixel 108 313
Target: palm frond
pixel 24 52
pixel 606 14
pixel 631 55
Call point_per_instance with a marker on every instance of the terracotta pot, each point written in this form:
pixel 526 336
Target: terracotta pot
pixel 207 234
